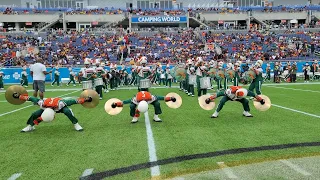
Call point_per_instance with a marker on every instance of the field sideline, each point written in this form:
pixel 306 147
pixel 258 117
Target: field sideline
pixel 110 146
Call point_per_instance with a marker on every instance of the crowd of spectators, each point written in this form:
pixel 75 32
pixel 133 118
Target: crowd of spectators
pixel 10 11
pixel 140 12
pixel 94 11
pixel 74 47
pixel 156 11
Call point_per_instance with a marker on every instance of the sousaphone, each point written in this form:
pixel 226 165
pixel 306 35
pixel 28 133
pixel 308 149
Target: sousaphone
pixel 180 73
pixel 220 74
pixel 212 72
pixel 230 74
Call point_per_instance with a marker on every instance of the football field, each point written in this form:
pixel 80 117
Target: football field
pixel 281 143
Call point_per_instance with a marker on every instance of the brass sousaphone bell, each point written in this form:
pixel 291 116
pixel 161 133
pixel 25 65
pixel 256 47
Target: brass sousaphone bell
pixel 220 74
pixel 230 74
pixel 180 73
pixel 212 72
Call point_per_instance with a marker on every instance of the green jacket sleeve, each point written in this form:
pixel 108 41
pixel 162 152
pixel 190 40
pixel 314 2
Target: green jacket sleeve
pixel 33 99
pixel 128 101
pixel 251 94
pixel 220 93
pixel 70 102
pixel 161 98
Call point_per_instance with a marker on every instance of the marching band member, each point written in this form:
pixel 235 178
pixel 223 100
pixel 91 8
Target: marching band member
pixel 72 75
pixel 289 70
pixel 200 72
pixel 237 73
pixel 58 105
pixel 106 79
pixel 158 73
pixel 113 80
pixel 314 68
pixel 143 71
pixel 79 76
pixel 56 77
pixel 1 79
pixel 306 72
pixel 24 77
pixel 87 72
pixel 213 65
pixel 134 75
pixel 293 74
pixel 125 77
pixel 100 73
pixel 268 72
pixel 149 98
pixel 191 71
pixel 276 71
pixel 155 74
pixel 168 76
pixel 219 78
pixel 257 82
pixel 234 93
pixel 162 77
pixel 226 79
pixel 184 84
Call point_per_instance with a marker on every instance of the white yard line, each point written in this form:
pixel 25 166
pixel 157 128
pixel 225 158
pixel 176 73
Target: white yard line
pixel 87 172
pixel 155 171
pixel 289 84
pixel 295 167
pixel 15 176
pixel 10 112
pixel 227 170
pixel 294 89
pixel 294 110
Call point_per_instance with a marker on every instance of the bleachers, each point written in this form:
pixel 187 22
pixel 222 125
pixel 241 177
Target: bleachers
pixel 165 44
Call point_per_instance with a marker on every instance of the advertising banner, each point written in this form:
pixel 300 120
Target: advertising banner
pixel 159 19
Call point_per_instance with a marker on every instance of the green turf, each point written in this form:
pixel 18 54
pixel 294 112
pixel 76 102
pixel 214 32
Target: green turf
pixel 56 151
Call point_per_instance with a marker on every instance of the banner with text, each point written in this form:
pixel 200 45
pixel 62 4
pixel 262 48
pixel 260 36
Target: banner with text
pixel 159 19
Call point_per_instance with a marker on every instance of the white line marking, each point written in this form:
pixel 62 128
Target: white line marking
pixel 15 176
pixel 294 110
pixel 295 167
pixel 31 105
pixel 294 89
pixel 227 170
pixel 14 110
pixel 290 84
pixel 87 172
pixel 155 171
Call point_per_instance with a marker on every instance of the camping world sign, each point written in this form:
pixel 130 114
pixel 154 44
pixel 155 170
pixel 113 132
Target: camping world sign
pixel 159 19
